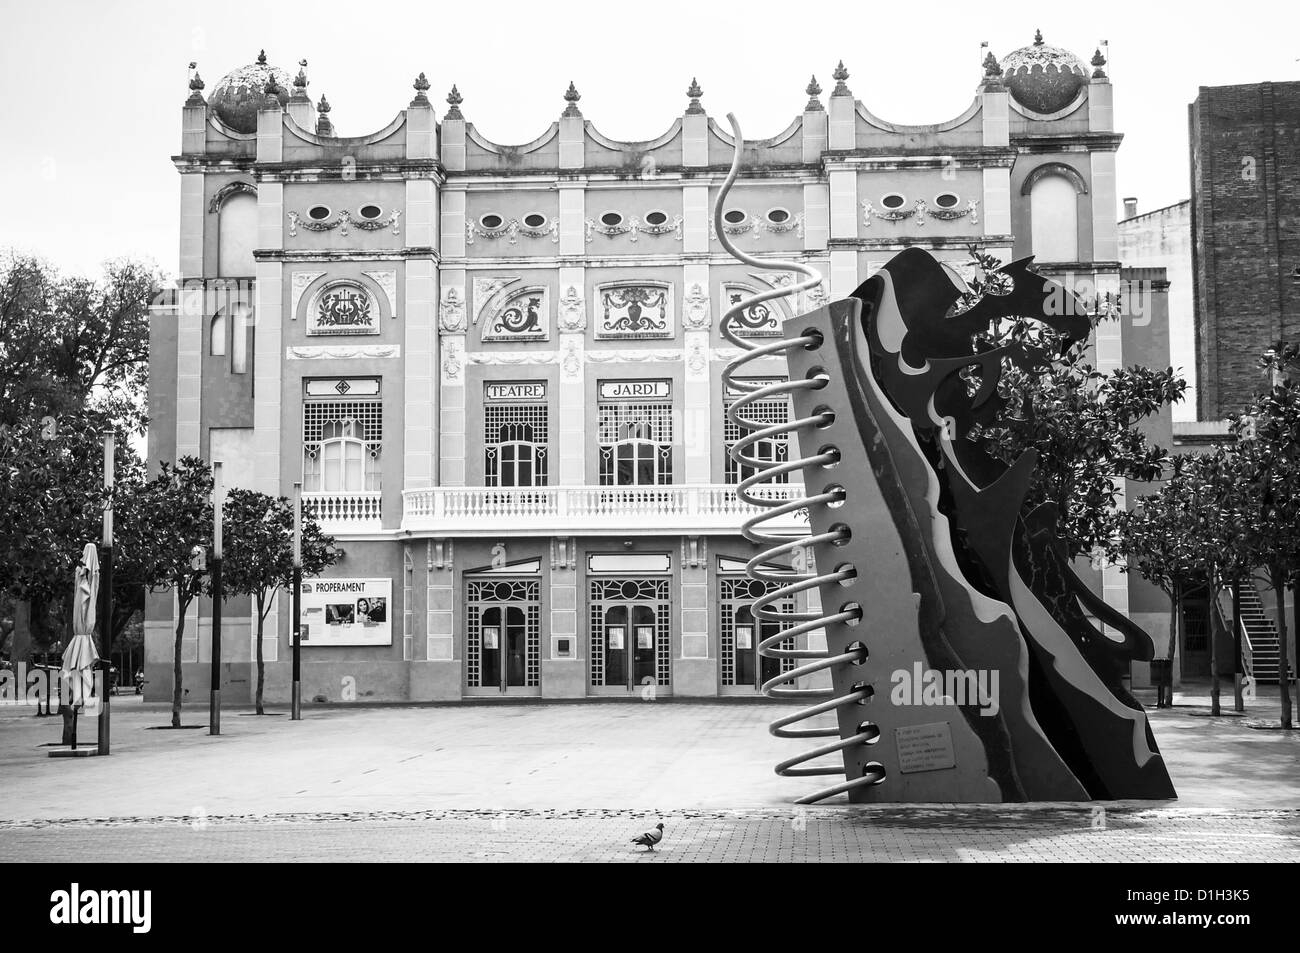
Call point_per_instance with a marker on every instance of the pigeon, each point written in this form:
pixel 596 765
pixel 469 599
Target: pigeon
pixel 650 838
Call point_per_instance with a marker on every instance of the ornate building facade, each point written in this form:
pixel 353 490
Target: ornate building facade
pixel 496 369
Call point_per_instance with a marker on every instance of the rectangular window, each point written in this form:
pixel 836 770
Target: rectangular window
pixel 342 442
pixel 771 450
pixel 636 441
pixel 515 445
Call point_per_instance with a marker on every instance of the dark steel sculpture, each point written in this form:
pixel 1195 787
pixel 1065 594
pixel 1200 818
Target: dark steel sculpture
pixel 962 661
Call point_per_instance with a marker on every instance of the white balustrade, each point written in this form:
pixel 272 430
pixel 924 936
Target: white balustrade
pixel 670 509
pixel 345 511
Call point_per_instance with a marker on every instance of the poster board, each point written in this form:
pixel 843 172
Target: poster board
pixel 347 612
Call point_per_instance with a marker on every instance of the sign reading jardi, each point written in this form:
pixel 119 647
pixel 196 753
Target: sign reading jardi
pixel 347 612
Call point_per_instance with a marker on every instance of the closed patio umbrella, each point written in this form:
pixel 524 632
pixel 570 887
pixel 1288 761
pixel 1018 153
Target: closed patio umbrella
pixel 79 658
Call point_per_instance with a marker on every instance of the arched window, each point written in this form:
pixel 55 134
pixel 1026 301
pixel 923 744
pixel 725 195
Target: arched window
pixel 239 340
pixel 514 445
pixel 237 236
pixel 636 442
pixel 1054 218
pixel 217 346
pixel 343 460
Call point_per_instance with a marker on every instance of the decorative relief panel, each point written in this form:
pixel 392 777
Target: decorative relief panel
pixel 453 361
pixel 341 221
pixel 451 310
pixel 485 289
pixel 387 281
pixel 633 227
pixel 757 226
pixel 920 210
pixel 339 352
pixel 573 310
pixel 299 282
pixel 697 356
pixel 571 359
pixel 343 307
pixel 758 320
pixel 511 230
pixel 635 311
pixel 695 316
pixel 524 316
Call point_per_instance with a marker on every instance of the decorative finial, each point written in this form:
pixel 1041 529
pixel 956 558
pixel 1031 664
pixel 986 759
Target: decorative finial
pixel 196 88
pixel 323 125
pixel 300 81
pixel 1038 38
pixel 813 90
pixel 421 86
pixel 571 96
pixel 1098 61
pixel 261 57
pixel 840 75
pixel 695 93
pixel 454 99
pixel 272 88
pixel 992 69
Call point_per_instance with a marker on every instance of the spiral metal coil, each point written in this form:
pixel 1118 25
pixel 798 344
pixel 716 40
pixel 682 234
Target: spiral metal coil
pixel 778 544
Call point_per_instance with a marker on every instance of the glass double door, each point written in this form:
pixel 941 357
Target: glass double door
pixel 630 644
pixel 743 668
pixel 752 669
pixel 505 648
pixel 503 637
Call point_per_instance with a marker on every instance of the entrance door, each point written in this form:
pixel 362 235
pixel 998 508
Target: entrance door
pixel 503 638
pixel 629 635
pixel 743 669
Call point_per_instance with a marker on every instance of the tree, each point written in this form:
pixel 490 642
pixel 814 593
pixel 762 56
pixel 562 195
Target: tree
pixel 162 524
pixel 1081 422
pixel 53 498
pixel 1268 455
pixel 1154 540
pixel 72 343
pixel 258 559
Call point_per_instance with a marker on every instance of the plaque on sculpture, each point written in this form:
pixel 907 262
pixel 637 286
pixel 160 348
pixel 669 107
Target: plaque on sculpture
pixel 924 747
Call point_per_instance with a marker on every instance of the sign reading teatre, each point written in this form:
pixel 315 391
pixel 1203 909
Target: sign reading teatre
pixel 525 390
pixel 634 390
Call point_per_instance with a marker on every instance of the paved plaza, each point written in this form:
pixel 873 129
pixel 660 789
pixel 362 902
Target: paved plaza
pixel 574 781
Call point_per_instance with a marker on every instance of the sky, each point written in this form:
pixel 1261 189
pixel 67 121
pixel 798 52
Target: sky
pixel 91 92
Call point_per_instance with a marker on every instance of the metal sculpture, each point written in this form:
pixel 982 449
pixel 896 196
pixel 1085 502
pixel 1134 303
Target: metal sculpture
pixel 963 665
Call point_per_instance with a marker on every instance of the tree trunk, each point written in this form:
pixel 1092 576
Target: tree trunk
pixel 176 664
pixel 1216 627
pixel 22 639
pixel 261 666
pixel 1238 699
pixel 1277 576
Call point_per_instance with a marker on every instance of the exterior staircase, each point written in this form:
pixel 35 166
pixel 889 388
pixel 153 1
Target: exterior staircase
pixel 1264 653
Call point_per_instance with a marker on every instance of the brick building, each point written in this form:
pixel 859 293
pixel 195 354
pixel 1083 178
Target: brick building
pixel 1245 164
pixel 496 368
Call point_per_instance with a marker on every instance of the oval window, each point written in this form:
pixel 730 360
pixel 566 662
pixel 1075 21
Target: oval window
pixel 778 216
pixel 893 200
pixel 318 213
pixel 491 220
pixel 733 216
pixel 656 218
pixel 946 200
pixel 611 219
pixel 535 220
pixel 371 211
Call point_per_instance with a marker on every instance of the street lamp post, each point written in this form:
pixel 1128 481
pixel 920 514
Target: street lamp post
pixel 106 597
pixel 214 704
pixel 296 712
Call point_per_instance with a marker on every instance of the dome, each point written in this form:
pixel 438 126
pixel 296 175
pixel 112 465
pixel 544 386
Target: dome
pixel 1042 78
pixel 242 92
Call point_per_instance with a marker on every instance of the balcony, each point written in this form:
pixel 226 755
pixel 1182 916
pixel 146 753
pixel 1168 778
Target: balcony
pixel 590 510
pixel 345 511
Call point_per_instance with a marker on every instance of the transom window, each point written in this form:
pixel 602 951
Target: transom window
pixel 636 443
pixel 342 443
pixel 515 445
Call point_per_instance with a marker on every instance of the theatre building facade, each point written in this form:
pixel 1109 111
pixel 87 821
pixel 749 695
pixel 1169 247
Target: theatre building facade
pixel 496 370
